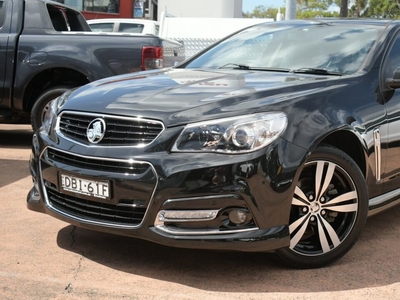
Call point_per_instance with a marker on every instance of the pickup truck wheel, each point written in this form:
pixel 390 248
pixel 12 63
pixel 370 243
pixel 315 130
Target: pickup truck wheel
pixel 329 210
pixel 41 105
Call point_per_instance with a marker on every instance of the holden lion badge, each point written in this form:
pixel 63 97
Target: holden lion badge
pixel 96 130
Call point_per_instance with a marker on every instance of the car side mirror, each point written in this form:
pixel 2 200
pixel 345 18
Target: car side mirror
pixel 394 82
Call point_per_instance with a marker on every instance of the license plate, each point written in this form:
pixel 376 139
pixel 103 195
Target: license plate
pixel 93 188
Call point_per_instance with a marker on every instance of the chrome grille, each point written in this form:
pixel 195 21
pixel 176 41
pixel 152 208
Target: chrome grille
pixel 96 211
pixel 119 131
pixel 97 164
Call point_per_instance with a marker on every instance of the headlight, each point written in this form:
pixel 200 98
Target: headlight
pixel 49 116
pixel 52 111
pixel 232 135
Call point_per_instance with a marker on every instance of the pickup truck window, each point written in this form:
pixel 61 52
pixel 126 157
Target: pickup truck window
pixel 58 20
pixel 64 19
pixel 74 20
pixel 2 10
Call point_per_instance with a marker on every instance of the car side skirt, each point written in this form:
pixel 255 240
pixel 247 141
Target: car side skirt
pixel 383 202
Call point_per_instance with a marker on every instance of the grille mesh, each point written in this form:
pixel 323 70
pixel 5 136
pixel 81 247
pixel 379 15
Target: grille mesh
pixel 119 131
pixel 127 215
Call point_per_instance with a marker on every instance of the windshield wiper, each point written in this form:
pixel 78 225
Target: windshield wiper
pixel 246 67
pixel 316 71
pixel 240 66
pixel 271 69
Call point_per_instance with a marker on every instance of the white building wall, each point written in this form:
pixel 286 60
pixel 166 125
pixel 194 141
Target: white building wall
pixel 201 8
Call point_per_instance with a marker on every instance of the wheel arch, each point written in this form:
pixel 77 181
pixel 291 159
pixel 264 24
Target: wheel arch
pixel 49 78
pixel 350 143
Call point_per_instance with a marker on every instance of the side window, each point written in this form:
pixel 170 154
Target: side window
pixel 104 27
pixel 2 12
pixel 133 28
pixel 73 19
pixel 392 60
pixel 58 17
pixel 58 20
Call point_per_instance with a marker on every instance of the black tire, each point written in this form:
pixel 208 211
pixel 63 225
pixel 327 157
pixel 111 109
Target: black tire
pixel 329 210
pixel 40 106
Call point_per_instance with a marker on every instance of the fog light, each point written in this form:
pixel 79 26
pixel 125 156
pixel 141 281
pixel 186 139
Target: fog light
pixel 186 215
pixel 238 216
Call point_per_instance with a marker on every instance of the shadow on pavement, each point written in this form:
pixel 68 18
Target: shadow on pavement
pixel 369 264
pixel 12 170
pixel 15 136
pixel 15 140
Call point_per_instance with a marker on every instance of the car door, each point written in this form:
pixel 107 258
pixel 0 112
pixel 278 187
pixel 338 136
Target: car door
pixel 391 173
pixel 4 32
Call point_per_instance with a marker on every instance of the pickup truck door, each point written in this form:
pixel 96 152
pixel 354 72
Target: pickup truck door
pixel 4 31
pixel 11 18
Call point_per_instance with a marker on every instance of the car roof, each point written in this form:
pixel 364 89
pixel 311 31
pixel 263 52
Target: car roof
pixel 364 21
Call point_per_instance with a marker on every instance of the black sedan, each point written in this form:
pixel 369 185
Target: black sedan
pixel 282 137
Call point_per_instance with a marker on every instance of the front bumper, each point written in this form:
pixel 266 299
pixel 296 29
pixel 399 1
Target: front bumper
pixel 180 200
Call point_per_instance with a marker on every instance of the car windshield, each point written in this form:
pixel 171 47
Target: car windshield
pixel 307 47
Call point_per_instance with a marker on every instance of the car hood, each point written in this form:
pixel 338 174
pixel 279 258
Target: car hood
pixel 180 96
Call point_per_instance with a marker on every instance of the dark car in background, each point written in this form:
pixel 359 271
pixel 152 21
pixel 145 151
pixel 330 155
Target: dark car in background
pixel 282 137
